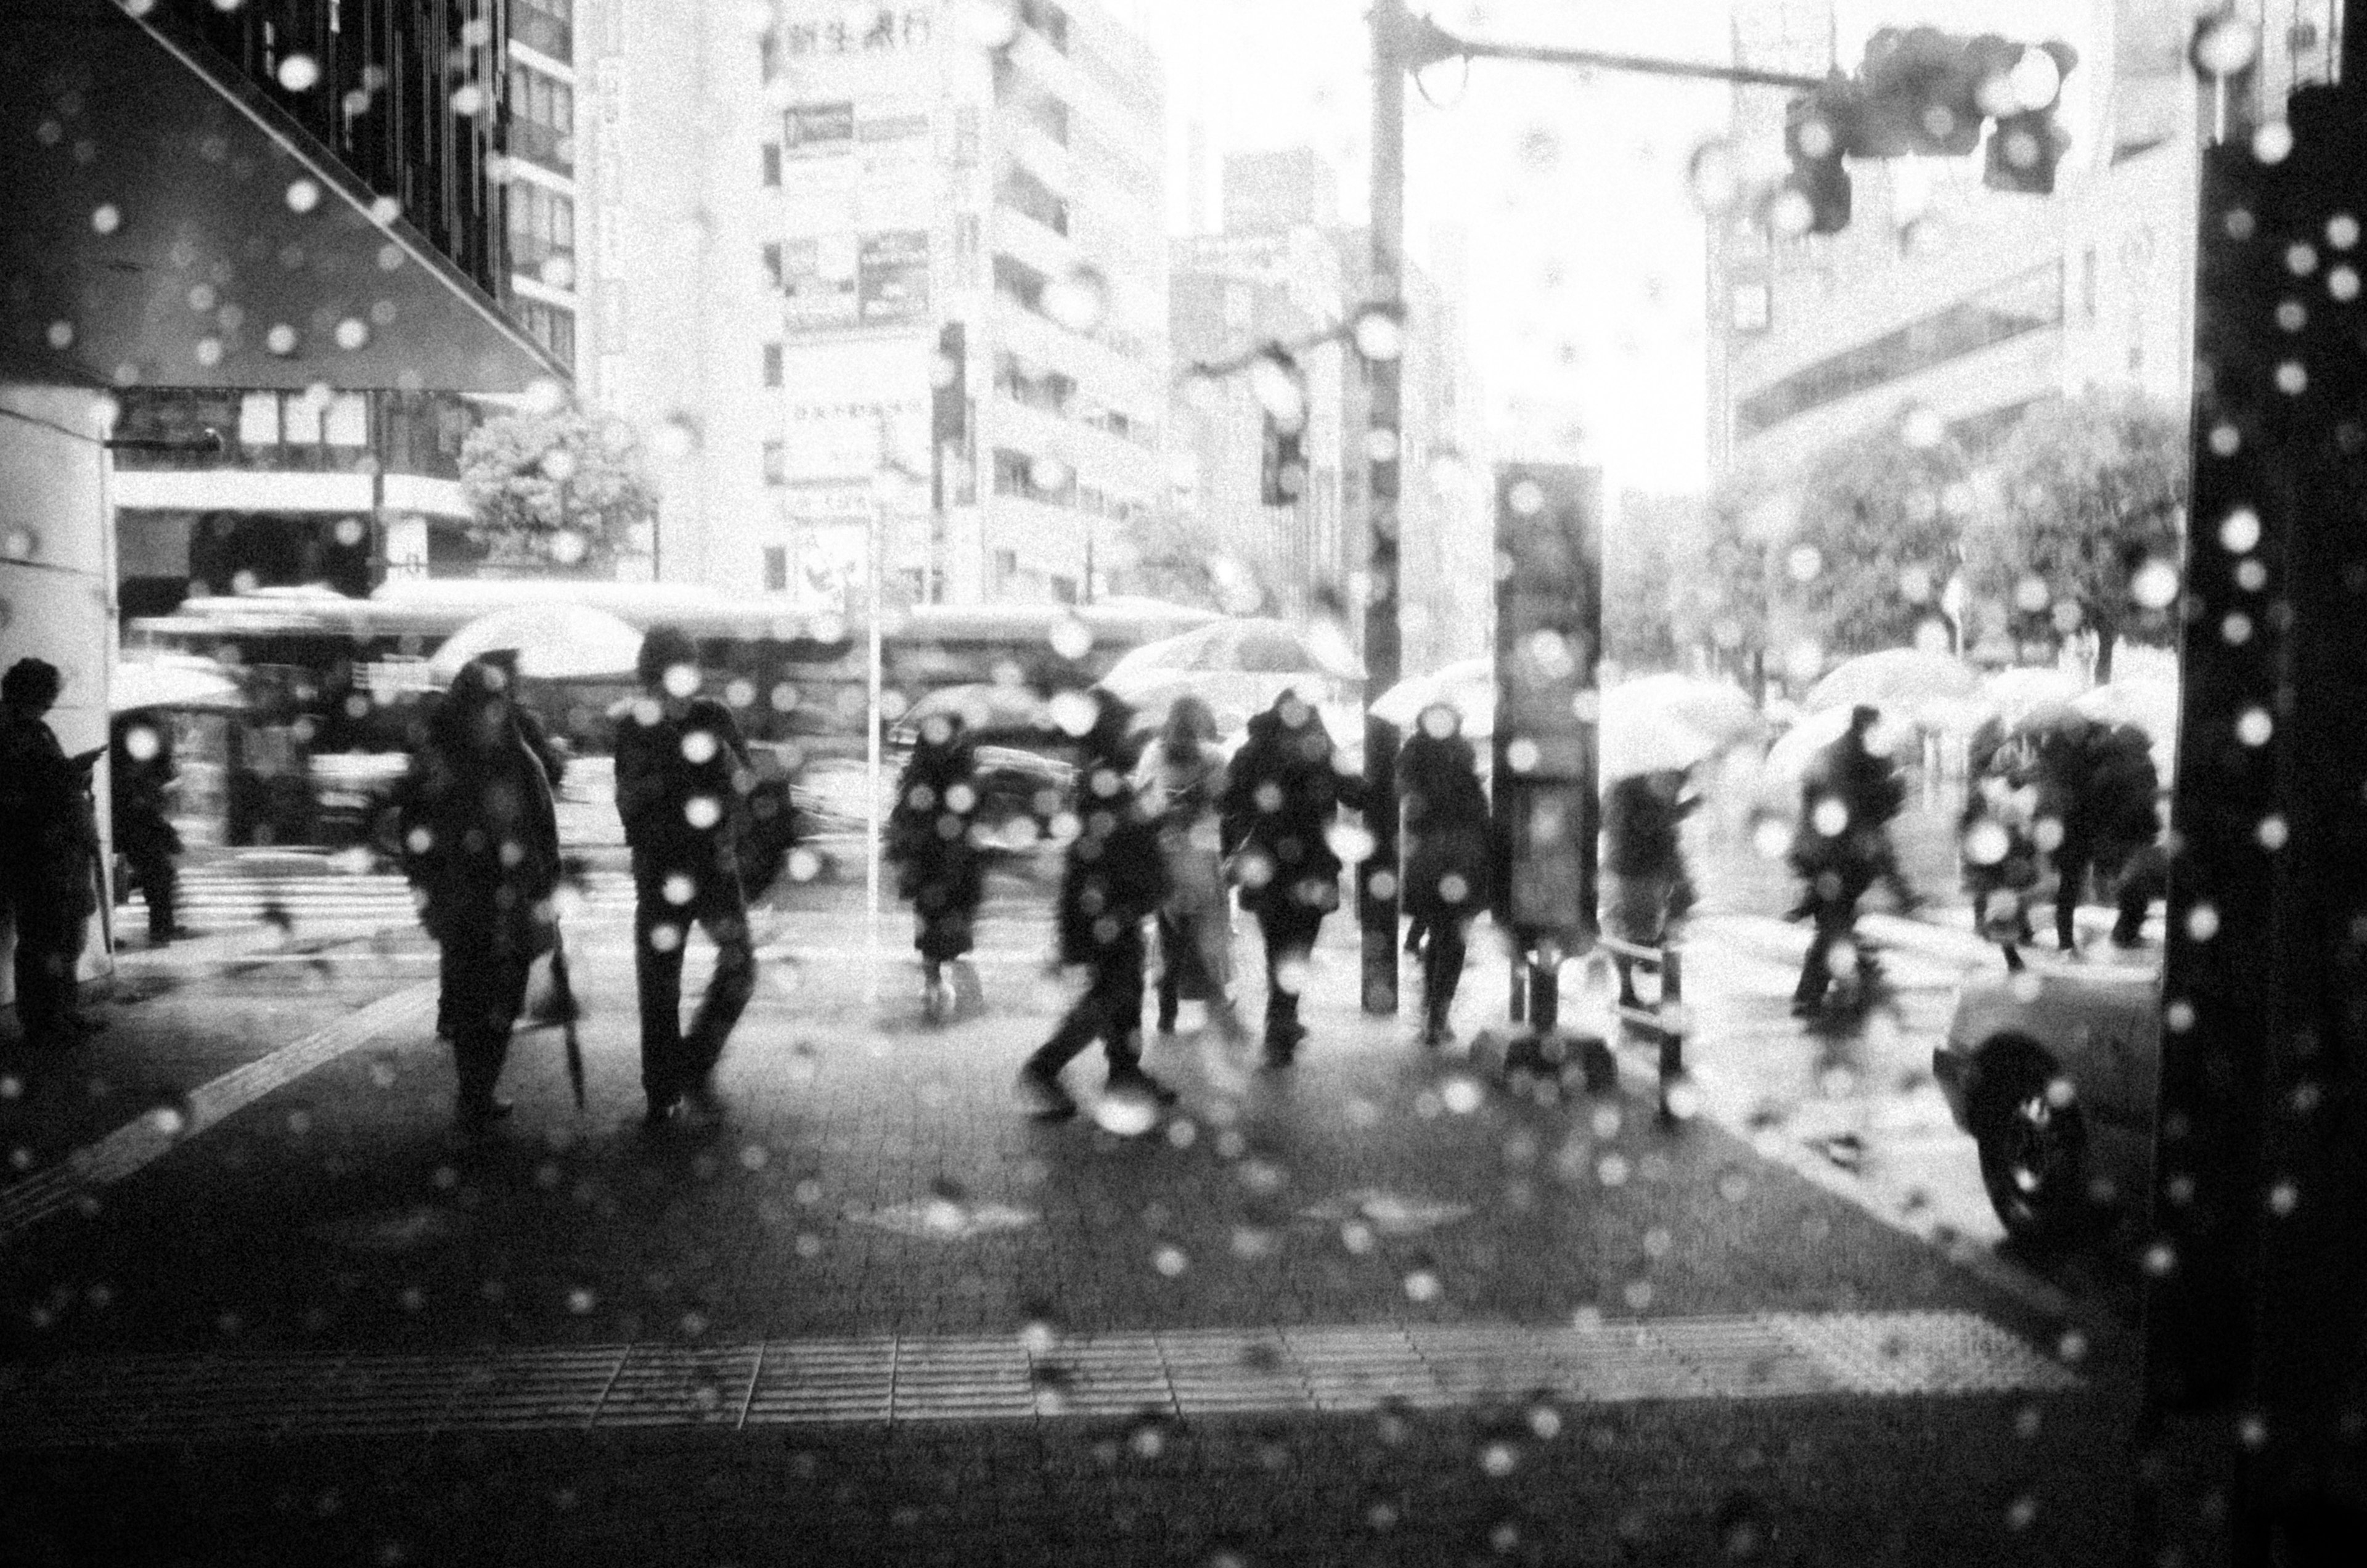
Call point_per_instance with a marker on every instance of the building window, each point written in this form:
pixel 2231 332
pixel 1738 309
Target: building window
pixel 299 422
pixel 347 423
pixel 1046 19
pixel 772 255
pixel 772 156
pixel 1030 197
pixel 541 225
pixel 549 325
pixel 542 119
pixel 1006 565
pixel 2087 285
pixel 777 569
pixel 1752 310
pixel 772 365
pixel 547 27
pixel 776 463
pixel 258 420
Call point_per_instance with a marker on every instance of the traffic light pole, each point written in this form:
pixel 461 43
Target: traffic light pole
pixel 1377 875
pixel 1403 44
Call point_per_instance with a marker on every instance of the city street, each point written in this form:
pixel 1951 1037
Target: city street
pixel 1374 1308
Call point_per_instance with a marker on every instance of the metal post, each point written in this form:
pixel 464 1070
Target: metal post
pixel 1376 878
pixel 874 547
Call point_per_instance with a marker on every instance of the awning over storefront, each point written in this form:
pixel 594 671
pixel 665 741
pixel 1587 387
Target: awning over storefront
pixel 165 224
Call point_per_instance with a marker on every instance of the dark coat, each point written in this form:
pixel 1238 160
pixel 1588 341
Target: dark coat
pixel 1643 820
pixel 1116 876
pixel 1280 800
pixel 938 865
pixel 49 831
pixel 139 790
pixel 481 838
pixel 680 784
pixel 1447 856
pixel 1870 789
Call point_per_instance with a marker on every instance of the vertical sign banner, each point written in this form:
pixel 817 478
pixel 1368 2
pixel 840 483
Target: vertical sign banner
pixel 892 276
pixel 1548 634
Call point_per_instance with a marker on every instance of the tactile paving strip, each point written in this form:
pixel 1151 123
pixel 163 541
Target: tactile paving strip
pixel 881 1382
pixel 137 1144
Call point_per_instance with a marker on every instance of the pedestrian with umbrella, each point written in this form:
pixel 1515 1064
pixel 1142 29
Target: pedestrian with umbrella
pixel 1446 880
pixel 1180 779
pixel 1281 799
pixel 140 782
pixel 938 864
pixel 480 844
pixel 1842 844
pixel 1114 879
pixel 1648 888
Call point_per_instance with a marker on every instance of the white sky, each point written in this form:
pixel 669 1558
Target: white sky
pixel 1585 248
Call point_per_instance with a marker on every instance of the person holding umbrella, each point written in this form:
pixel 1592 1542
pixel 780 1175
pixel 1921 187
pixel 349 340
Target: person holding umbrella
pixel 1648 887
pixel 938 864
pixel 1842 846
pixel 481 843
pixel 1179 780
pixel 139 778
pixel 1278 805
pixel 1447 854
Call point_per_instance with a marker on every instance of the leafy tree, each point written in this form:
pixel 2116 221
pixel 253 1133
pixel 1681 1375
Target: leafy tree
pixel 560 489
pixel 1719 575
pixel 1644 570
pixel 1183 557
pixel 2088 492
pixel 1877 532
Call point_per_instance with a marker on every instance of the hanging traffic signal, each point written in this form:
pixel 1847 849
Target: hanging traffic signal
pixel 1816 131
pixel 1280 387
pixel 1920 93
pixel 949 389
pixel 2023 150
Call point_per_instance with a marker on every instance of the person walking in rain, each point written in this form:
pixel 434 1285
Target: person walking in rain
pixel 1180 778
pixel 1447 855
pixel 681 765
pixel 481 843
pixel 1279 802
pixel 2099 783
pixel 139 781
pixel 1847 800
pixel 1649 889
pixel 938 864
pixel 1113 880
pixel 49 841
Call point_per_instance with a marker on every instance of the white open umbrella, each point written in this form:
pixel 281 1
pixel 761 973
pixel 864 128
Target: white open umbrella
pixel 174 680
pixel 1257 647
pixel 1467 685
pixel 553 642
pixel 1910 683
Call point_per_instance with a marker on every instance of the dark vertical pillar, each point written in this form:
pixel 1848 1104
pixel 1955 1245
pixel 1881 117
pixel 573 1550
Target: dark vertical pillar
pixel 2255 1428
pixel 1376 878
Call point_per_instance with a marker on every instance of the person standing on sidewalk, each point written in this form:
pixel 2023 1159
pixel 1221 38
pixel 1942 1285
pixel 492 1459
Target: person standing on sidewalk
pixel 481 843
pixel 1111 882
pixel 938 864
pixel 1649 889
pixel 140 777
pixel 1180 777
pixel 49 845
pixel 1280 800
pixel 681 767
pixel 1842 846
pixel 1447 854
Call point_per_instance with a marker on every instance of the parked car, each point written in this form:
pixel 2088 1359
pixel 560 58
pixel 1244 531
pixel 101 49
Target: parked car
pixel 2053 1070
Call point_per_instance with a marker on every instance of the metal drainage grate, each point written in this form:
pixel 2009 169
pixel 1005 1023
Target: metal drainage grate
pixel 879 1381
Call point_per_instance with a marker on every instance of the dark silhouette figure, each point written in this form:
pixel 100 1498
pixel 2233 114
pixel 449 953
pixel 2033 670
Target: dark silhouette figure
pixel 2100 783
pixel 49 847
pixel 938 864
pixel 1180 779
pixel 680 761
pixel 1446 858
pixel 1847 800
pixel 481 842
pixel 1111 882
pixel 1281 797
pixel 1996 834
pixel 139 781
pixel 1649 886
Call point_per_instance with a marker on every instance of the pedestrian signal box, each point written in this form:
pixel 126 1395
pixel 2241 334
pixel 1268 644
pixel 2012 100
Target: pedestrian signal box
pixel 1548 638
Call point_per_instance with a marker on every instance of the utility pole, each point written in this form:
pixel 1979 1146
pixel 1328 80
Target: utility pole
pixel 1376 876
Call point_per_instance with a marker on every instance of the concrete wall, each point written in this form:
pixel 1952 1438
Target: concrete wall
pixel 57 576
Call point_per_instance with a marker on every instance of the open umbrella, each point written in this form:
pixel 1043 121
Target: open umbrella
pixel 1246 646
pixel 1905 683
pixel 175 681
pixel 981 706
pixel 1467 685
pixel 2018 696
pixel 554 642
pixel 2150 705
pixel 1657 723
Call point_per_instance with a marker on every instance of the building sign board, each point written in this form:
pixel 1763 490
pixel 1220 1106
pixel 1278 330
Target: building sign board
pixel 892 276
pixel 818 283
pixel 817 131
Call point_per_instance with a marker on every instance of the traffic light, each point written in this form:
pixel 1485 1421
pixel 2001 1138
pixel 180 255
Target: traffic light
pixel 1818 129
pixel 1280 390
pixel 2023 150
pixel 1919 92
pixel 949 389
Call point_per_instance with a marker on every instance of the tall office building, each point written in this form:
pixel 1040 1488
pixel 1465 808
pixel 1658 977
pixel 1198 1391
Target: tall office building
pixel 224 486
pixel 792 205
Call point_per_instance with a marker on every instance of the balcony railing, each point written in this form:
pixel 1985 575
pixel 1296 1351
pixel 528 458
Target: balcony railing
pixel 554 149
